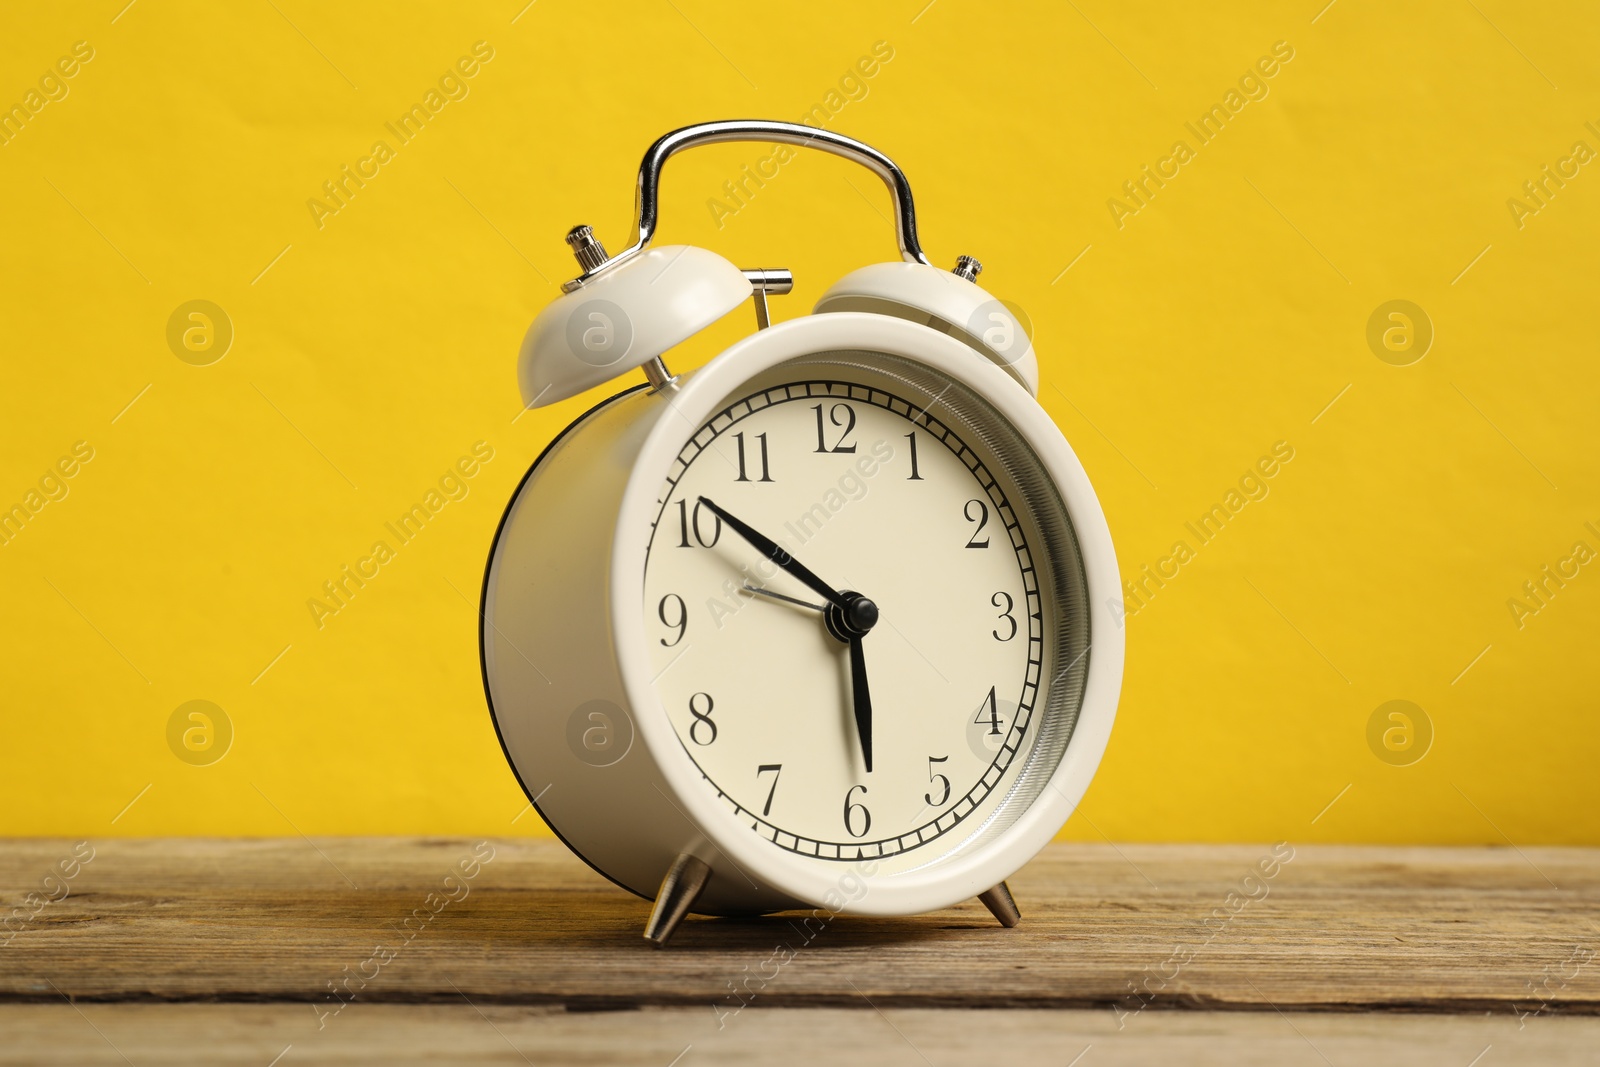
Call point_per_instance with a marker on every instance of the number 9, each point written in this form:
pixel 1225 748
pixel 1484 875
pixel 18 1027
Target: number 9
pixel 681 623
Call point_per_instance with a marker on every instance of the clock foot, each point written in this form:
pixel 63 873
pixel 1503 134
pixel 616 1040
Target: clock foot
pixel 1001 905
pixel 685 879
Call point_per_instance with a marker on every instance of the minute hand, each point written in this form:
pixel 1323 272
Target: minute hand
pixel 775 552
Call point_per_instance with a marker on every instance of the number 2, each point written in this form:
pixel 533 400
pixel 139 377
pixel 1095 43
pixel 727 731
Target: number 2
pixel 981 518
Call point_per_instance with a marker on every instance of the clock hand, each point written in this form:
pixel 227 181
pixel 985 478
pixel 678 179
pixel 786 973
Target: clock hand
pixel 861 697
pixel 854 621
pixel 779 596
pixel 775 552
pixel 849 617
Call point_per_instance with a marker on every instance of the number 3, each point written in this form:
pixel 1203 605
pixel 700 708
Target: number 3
pixel 1005 613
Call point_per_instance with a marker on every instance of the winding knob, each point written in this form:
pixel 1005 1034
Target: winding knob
pixel 587 247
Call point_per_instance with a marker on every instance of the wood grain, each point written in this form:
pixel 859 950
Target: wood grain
pixel 1339 929
pixel 256 1035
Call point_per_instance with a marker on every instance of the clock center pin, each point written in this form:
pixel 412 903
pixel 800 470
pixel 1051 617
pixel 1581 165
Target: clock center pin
pixel 856 619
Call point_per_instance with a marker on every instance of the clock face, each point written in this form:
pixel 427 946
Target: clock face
pixel 908 496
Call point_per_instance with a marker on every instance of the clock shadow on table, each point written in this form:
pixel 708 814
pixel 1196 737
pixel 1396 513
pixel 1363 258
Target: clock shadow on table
pixel 839 931
pixel 612 919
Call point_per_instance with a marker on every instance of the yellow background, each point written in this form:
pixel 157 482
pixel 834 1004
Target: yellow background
pixel 1221 318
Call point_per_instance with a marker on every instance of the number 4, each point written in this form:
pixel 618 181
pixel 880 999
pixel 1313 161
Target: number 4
pixel 989 714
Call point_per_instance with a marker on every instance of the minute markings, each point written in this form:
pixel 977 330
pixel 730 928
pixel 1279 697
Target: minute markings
pixel 833 393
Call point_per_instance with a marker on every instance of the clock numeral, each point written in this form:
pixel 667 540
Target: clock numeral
pixel 681 623
pixel 944 783
pixel 1005 613
pixel 851 809
pixel 703 718
pixel 688 524
pixel 915 477
pixel 988 714
pixel 766 475
pixel 777 772
pixel 848 421
pixel 981 518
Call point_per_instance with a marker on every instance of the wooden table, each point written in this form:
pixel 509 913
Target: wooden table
pixel 403 950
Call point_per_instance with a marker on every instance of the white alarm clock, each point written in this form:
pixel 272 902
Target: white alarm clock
pixel 824 624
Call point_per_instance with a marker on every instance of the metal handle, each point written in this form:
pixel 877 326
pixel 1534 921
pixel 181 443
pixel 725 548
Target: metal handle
pixel 646 204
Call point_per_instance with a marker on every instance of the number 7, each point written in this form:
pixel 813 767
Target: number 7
pixel 777 772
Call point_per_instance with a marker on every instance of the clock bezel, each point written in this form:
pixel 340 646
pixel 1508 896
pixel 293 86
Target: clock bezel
pixel 955 877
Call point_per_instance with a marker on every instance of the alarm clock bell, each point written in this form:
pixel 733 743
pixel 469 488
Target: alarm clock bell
pixel 625 311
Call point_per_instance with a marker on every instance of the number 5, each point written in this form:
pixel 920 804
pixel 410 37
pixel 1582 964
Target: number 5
pixel 944 783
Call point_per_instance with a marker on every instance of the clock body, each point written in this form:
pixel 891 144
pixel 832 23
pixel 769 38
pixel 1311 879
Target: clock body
pixel 661 688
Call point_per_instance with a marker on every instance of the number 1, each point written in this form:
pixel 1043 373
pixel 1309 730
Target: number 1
pixel 915 477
